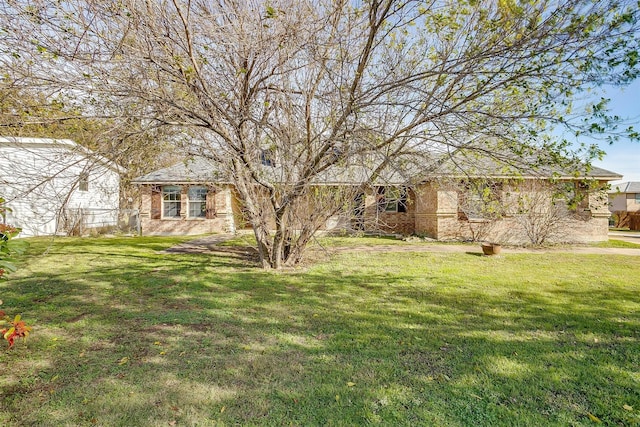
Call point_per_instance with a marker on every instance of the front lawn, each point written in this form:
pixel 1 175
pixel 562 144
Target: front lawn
pixel 124 335
pixel 615 243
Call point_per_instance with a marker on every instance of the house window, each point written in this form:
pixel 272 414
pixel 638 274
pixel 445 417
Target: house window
pixel 268 157
pixel 171 201
pixel 197 202
pixel 392 199
pixel 83 182
pixel 638 198
pixel 480 200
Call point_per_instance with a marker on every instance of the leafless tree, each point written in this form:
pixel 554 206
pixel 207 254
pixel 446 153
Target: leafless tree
pixel 542 210
pixel 325 86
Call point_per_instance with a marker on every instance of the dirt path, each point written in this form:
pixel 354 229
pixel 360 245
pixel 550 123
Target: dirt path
pixel 476 249
pixel 211 244
pixel 202 245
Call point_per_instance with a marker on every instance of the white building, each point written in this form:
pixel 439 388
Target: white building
pixel 56 186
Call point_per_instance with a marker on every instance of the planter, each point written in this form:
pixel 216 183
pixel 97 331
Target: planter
pixel 491 248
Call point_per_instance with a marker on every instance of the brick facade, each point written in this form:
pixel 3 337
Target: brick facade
pixel 437 216
pixel 222 218
pixel 430 209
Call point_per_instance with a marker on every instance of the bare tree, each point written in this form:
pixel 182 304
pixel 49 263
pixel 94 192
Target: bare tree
pixel 126 139
pixel 517 210
pixel 543 209
pixel 481 207
pixel 325 87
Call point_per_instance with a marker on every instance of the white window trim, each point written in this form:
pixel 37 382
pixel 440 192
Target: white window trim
pixel 391 199
pixel 179 201
pixel 203 201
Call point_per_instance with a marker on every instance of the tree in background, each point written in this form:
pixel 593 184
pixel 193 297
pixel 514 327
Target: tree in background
pixel 25 112
pixel 326 87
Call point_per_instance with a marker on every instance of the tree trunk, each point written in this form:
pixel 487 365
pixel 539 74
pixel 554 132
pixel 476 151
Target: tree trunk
pixel 279 239
pixel 262 241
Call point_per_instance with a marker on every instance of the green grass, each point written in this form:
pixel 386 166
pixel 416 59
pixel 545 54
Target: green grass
pixel 248 239
pixel 125 335
pixel 626 230
pixel 614 243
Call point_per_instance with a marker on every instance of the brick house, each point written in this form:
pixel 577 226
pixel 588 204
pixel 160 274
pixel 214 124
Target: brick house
pixel 194 197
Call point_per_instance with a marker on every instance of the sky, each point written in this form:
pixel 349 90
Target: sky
pixel 623 156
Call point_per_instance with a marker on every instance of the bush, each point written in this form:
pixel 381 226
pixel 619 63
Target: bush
pixel 9 248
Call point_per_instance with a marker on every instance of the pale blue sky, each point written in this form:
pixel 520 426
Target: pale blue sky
pixel 623 156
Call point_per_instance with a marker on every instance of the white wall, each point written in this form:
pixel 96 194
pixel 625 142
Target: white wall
pixel 39 177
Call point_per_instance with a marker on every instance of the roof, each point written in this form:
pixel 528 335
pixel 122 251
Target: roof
pixel 406 170
pixel 479 163
pixel 196 169
pixel 38 142
pixel 71 146
pixel 596 172
pixel 626 187
pixel 203 170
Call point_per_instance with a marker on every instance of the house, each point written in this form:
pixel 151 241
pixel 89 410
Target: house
pixel 56 186
pixel 191 197
pixel 195 197
pixel 624 203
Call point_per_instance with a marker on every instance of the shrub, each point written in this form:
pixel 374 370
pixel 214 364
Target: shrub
pixel 9 248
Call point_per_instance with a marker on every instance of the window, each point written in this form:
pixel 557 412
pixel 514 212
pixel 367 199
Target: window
pixel 268 157
pixel 638 198
pixel 171 201
pixel 335 154
pixel 197 202
pixel 480 200
pixel 392 199
pixel 83 182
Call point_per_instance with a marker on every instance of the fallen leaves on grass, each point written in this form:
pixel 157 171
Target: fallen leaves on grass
pixel 594 418
pixel 18 329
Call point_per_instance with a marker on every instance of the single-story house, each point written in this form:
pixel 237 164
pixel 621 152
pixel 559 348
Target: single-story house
pixel 624 203
pixel 195 197
pixel 56 186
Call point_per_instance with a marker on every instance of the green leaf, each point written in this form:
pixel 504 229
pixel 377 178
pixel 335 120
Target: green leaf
pixel 7 265
pixel 9 332
pixel 594 418
pixel 271 12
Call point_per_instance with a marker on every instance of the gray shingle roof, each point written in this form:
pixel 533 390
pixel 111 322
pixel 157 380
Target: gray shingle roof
pixel 626 187
pixel 603 173
pixel 459 164
pixel 472 163
pixel 196 170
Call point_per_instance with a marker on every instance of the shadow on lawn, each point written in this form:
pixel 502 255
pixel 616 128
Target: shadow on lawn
pixel 205 339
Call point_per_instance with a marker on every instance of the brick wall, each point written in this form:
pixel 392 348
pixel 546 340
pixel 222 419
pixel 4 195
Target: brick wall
pixel 377 219
pixel 432 210
pixel 224 220
pixel 589 223
pixel 436 211
pixel 437 216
